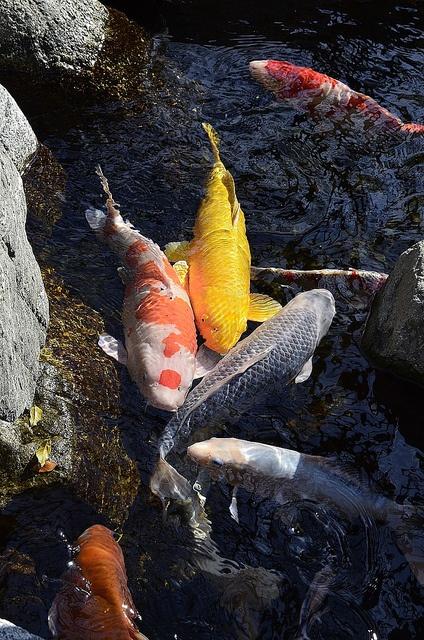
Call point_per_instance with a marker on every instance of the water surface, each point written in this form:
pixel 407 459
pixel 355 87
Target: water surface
pixel 314 196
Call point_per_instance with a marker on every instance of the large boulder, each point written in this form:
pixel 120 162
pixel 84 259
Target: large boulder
pixel 23 301
pixel 9 631
pixel 394 333
pixel 77 45
pixel 16 135
pixel 49 36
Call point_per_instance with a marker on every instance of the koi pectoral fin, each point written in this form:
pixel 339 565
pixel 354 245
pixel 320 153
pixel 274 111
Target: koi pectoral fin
pixel 206 359
pixel 233 506
pixel 113 348
pixel 305 372
pixel 181 268
pixel 176 251
pixel 262 307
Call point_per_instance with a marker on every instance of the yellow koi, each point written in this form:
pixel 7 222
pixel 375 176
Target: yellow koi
pixel 217 273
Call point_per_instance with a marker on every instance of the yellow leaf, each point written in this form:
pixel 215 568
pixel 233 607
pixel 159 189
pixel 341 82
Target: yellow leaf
pixel 35 415
pixel 43 452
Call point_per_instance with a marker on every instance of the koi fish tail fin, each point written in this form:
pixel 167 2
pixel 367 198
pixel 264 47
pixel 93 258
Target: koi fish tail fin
pixel 112 207
pixel 104 182
pixel 168 484
pixel 103 223
pixel 412 127
pixel 407 526
pixel 213 139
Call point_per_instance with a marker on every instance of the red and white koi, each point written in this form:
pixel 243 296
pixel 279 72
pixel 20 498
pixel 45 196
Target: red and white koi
pixel 339 281
pixel 160 333
pixel 311 89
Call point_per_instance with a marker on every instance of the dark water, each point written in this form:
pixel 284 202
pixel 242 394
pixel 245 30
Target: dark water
pixel 314 196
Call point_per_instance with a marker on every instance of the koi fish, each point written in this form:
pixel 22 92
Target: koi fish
pixel 264 469
pixel 276 353
pixel 160 333
pixel 284 474
pixel 309 88
pixel 95 602
pixel 344 282
pixel 218 263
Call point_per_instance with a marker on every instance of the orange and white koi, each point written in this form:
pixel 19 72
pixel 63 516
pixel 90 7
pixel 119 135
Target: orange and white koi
pixel 218 260
pixel 160 333
pixel 311 89
pixel 95 602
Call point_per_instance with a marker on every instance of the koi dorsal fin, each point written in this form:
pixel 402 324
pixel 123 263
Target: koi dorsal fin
pixel 228 182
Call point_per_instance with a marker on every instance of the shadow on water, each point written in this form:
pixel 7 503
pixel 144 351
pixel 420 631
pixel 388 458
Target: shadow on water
pixel 315 195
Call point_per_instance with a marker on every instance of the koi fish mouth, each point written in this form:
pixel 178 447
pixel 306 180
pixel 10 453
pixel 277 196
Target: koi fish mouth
pixel 260 72
pixel 166 393
pixel 258 68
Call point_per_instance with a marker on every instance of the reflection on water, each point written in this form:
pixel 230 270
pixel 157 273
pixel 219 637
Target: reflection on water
pixel 313 197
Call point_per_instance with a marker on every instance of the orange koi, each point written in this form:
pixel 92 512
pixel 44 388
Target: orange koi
pixel 95 602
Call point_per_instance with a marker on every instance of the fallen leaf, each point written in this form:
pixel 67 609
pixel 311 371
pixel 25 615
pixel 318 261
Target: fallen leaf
pixel 49 465
pixel 35 415
pixel 43 452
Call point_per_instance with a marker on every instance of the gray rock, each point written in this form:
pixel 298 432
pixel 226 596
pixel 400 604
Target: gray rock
pixel 50 36
pixel 14 455
pixel 23 300
pixel 79 46
pixel 394 333
pixel 9 631
pixel 16 135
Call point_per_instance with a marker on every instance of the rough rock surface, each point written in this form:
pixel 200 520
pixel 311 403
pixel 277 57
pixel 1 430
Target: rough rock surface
pixel 16 135
pixel 23 300
pixel 50 36
pixel 9 631
pixel 14 454
pixel 72 45
pixel 394 333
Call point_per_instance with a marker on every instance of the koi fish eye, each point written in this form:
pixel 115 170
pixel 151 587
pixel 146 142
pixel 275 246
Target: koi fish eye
pixel 217 462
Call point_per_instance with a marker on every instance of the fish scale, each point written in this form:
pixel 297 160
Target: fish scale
pixel 271 357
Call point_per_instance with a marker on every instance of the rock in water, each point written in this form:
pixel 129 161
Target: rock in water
pixel 394 333
pixel 9 631
pixel 78 45
pixel 51 37
pixel 23 301
pixel 16 135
